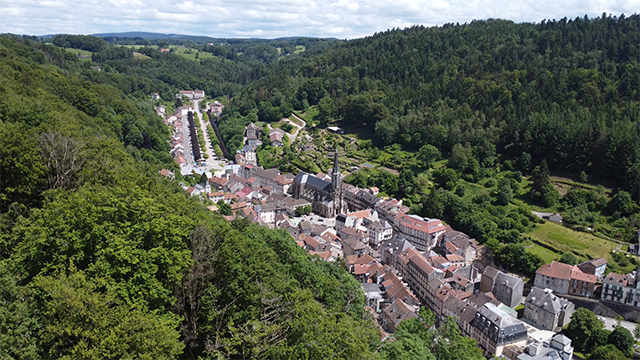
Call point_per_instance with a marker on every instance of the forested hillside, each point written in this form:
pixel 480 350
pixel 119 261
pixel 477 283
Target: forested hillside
pixel 100 258
pixel 566 91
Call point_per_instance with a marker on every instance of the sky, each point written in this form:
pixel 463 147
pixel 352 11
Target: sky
pixel 343 19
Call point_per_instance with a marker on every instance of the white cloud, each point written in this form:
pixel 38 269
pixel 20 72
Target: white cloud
pixel 277 18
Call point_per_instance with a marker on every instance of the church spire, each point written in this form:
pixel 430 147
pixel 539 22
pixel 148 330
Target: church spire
pixel 336 167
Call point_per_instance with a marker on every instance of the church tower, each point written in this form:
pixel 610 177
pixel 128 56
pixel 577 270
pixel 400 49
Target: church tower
pixel 336 186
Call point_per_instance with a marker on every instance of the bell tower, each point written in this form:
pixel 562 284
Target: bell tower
pixel 336 186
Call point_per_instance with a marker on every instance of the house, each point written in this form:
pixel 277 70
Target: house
pixel 458 243
pixel 393 247
pixel 556 218
pixel 565 279
pixel 168 174
pixel 621 288
pixel 374 295
pixel 379 231
pixel 216 196
pixel 351 233
pixel 276 137
pixel 268 212
pixel 216 107
pixel 269 177
pixel 187 93
pixel 547 310
pixel 595 267
pixel 396 289
pixel 253 134
pixel 155 96
pixel 455 260
pixel 192 191
pixel 559 348
pixel 240 160
pixel 506 288
pixel 396 313
pixel 198 94
pixel 353 219
pixel 353 247
pixel 494 329
pixel 438 291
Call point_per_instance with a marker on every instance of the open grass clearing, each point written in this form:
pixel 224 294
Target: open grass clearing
pixel 139 56
pixel 563 239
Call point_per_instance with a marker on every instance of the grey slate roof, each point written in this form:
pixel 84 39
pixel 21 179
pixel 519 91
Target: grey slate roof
pixel 546 300
pixel 507 280
pixel 501 327
pixel 313 181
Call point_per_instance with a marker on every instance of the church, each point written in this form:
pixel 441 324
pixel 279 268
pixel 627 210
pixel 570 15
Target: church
pixel 327 198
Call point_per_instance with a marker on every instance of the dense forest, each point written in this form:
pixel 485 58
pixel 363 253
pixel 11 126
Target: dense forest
pixel 566 91
pixel 101 258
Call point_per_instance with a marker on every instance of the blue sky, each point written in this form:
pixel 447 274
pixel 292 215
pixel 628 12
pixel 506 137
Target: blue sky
pixel 344 19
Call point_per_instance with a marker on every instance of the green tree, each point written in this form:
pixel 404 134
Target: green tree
pixel 607 352
pixel 427 155
pixel 325 111
pixel 622 339
pixel 459 157
pixel 80 322
pixel 569 258
pixel 21 168
pixel 540 176
pixel 504 193
pixel 636 331
pixel 224 208
pixel 583 176
pixel 583 330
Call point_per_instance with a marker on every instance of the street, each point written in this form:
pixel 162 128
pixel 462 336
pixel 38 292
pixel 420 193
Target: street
pixel 213 164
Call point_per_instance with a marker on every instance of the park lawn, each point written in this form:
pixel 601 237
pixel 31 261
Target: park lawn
pixel 563 239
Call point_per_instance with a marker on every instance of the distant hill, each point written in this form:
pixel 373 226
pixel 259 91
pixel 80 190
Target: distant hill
pixel 152 36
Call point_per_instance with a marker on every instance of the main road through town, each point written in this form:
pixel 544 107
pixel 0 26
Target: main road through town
pixel 213 164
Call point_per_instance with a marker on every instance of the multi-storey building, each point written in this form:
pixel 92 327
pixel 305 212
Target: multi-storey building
pixel 494 329
pixel 423 233
pixel 547 310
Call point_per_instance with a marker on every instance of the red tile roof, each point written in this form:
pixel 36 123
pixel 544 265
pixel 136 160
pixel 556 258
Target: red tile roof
pixel 365 259
pixel 429 227
pixel 454 258
pixel 579 275
pixel 556 270
pixel 361 269
pixel 422 263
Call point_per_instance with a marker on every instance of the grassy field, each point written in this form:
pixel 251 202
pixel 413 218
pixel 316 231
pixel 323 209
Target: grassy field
pixel 187 53
pixel 79 52
pixel 546 254
pixel 139 56
pixel 299 49
pixel 563 239
pixel 308 115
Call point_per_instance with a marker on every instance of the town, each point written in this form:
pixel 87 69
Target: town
pixel 403 261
